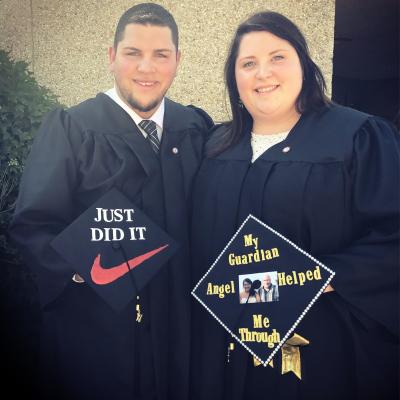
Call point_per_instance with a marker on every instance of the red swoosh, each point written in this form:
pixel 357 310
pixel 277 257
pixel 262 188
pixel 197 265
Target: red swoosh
pixel 104 276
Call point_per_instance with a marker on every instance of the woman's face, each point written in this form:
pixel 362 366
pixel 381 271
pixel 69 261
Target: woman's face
pixel 268 76
pixel 246 286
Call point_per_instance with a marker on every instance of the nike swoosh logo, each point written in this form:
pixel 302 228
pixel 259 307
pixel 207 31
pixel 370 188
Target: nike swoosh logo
pixel 104 276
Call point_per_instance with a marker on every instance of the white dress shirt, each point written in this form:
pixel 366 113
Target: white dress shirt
pixel 157 117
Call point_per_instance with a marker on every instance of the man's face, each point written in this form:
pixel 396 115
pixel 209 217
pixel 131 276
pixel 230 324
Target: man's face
pixel 266 281
pixel 144 65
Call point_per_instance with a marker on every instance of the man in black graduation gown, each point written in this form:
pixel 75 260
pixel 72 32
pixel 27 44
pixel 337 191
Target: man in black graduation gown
pixel 89 351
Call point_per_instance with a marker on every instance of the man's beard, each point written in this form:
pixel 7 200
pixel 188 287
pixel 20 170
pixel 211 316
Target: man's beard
pixel 143 108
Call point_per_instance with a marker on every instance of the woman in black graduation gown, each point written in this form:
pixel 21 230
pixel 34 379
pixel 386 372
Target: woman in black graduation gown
pixel 326 177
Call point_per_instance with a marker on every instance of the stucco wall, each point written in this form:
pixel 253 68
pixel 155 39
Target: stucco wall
pixel 66 42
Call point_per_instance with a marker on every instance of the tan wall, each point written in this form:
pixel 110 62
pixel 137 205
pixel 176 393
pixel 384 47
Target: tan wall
pixel 66 42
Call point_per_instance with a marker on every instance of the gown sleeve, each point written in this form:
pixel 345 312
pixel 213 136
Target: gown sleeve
pixel 45 203
pixel 367 270
pixel 207 121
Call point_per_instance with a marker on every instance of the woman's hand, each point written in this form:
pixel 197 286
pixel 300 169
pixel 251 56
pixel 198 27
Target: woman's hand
pixel 329 288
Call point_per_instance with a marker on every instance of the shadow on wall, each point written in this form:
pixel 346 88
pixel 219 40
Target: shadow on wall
pixel 366 56
pixel 377 97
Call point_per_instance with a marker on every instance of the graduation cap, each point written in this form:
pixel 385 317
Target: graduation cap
pixel 260 287
pixel 115 247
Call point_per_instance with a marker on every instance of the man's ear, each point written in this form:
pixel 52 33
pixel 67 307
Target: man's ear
pixel 111 58
pixel 178 61
pixel 178 57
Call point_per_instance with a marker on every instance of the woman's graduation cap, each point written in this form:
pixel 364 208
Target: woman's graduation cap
pixel 115 247
pixel 232 290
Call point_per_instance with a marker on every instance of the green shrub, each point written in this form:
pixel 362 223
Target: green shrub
pixel 23 103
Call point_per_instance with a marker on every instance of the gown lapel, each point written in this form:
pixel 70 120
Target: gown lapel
pixel 133 137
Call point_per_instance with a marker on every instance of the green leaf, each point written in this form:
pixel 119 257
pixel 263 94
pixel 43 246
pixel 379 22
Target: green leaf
pixel 23 103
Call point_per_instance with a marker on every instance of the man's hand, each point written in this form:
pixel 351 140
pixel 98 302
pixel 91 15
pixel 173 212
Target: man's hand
pixel 78 279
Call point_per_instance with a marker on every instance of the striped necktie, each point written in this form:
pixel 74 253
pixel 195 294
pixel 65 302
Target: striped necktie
pixel 150 128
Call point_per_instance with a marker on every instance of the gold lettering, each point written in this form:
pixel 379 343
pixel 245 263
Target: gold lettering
pixel 244 334
pixel 257 322
pixel 302 278
pixel 248 240
pixel 317 273
pixel 299 278
pixel 227 288
pixel 275 252
pixel 255 241
pixel 309 275
pixel 260 322
pixel 221 290
pixel 209 289
pixel 281 279
pixel 253 336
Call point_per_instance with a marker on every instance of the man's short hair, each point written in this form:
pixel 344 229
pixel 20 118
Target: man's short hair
pixel 146 14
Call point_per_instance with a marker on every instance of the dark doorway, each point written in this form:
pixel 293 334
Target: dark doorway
pixel 366 56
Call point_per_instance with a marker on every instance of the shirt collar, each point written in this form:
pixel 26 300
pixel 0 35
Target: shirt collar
pixel 157 117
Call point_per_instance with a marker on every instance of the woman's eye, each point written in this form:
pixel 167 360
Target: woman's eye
pixel 278 57
pixel 248 64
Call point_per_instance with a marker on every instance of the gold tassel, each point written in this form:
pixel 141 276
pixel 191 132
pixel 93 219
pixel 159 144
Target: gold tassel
pixel 291 354
pixel 139 315
pixel 231 347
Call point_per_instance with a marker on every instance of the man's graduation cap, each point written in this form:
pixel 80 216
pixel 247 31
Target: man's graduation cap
pixel 115 247
pixel 261 320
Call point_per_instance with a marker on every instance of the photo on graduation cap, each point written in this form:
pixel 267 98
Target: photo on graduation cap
pixel 259 287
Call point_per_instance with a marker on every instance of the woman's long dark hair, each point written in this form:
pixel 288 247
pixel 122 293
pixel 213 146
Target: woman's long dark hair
pixel 311 97
pixel 252 292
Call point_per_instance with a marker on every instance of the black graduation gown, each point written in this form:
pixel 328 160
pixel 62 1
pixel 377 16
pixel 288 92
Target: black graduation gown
pixel 335 193
pixel 79 155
